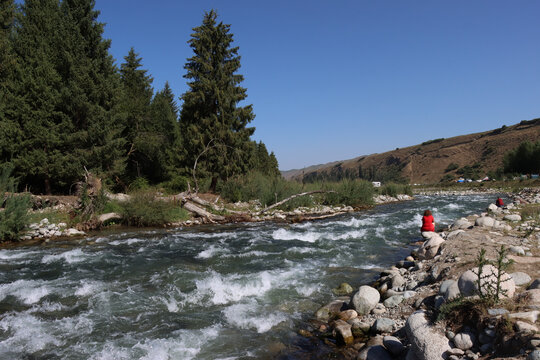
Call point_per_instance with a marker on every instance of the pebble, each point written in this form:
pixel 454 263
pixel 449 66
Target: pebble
pixel 383 325
pixel 393 345
pixel 464 340
pixel 534 355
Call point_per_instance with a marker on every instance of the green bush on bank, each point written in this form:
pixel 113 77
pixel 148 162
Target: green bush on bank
pixel 143 209
pixel 269 190
pixel 393 189
pixel 14 212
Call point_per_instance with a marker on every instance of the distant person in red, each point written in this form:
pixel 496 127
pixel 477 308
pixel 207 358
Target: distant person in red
pixel 499 202
pixel 428 222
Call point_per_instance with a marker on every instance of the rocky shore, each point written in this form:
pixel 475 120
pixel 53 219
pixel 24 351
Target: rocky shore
pixel 430 306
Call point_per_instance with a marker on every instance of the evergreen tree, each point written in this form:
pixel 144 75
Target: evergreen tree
pixel 165 129
pixel 137 96
pixel 43 126
pixel 9 128
pixel 211 119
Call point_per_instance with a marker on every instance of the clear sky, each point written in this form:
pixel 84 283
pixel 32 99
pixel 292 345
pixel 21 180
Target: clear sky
pixel 332 80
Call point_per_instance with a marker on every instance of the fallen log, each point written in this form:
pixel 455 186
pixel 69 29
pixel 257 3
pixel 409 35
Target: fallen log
pixel 189 206
pixel 293 197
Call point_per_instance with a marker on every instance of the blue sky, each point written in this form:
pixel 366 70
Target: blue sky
pixel 332 80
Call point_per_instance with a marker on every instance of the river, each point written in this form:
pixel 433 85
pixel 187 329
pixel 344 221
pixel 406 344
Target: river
pixel 210 292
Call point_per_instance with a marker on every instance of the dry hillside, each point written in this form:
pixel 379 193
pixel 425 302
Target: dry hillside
pixel 429 162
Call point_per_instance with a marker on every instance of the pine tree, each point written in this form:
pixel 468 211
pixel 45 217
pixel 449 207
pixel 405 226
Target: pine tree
pixel 211 118
pixel 135 105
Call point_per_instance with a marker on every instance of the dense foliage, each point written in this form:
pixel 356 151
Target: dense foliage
pixel 13 208
pixel 525 159
pixel 65 106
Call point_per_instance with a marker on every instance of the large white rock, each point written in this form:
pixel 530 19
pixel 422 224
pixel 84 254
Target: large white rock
pixel 512 217
pixel 485 221
pixel 73 232
pixel 426 342
pixel 365 299
pixel 468 281
pixel 462 223
pixel 429 249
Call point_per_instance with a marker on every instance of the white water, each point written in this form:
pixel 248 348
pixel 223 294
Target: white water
pixel 226 292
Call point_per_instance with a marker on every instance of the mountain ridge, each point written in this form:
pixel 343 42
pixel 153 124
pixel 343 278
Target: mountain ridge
pixel 472 155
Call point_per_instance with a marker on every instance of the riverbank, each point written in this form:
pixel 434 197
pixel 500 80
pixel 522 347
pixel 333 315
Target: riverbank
pixel 395 317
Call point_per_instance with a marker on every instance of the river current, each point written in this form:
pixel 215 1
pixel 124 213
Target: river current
pixel 209 292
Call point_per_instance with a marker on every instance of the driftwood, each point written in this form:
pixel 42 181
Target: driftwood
pixel 293 197
pixel 189 206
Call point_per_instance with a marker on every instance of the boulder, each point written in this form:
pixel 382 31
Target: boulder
pixel 365 299
pixel 520 278
pixel 383 325
pixel 512 217
pixel 525 327
pixel 493 208
pixel 342 332
pixel 534 355
pixel 426 342
pixel 331 309
pixel 485 221
pixel 429 249
pixel 397 281
pixel 109 216
pixel 464 340
pixel 454 233
pixel 518 250
pixel 468 282
pixel 530 316
pixel 445 285
pixel 358 327
pixel 393 345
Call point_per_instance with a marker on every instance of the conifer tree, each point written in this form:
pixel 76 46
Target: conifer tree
pixel 211 119
pixel 9 128
pixel 137 97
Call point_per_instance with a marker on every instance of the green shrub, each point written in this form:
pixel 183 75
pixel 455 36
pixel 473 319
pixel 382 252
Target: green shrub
pixel 447 178
pixel 143 209
pixel 139 183
pixel 14 217
pixel 349 192
pixel 393 189
pixel 176 184
pixel 451 166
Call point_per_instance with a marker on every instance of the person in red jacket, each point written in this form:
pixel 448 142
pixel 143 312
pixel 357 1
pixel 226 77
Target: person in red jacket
pixel 499 202
pixel 428 222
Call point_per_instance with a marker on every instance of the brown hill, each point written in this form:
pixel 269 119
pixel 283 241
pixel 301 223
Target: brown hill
pixel 473 156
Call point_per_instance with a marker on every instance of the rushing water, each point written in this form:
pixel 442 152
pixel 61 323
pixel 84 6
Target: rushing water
pixel 223 292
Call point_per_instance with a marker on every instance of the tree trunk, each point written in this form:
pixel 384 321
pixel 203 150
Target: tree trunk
pixel 47 183
pixel 213 184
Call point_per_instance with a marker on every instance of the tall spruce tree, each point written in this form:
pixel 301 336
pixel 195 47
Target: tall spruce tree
pixel 9 128
pixel 165 128
pixel 137 97
pixel 211 119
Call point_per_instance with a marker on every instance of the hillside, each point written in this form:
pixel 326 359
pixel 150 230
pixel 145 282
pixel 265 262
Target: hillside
pixel 475 154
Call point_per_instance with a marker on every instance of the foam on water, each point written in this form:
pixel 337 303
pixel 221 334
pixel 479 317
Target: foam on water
pixel 250 316
pixel 28 334
pixel 307 290
pixel 283 234
pixel 9 255
pixel 129 242
pixel 356 234
pixel 70 257
pixel 211 252
pixel 225 289
pixel 183 344
pixel 89 288
pixel 27 291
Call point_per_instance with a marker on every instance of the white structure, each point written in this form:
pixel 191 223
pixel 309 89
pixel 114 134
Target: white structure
pixel 376 184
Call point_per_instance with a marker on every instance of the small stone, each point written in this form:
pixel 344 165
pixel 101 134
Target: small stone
pixel 439 301
pixel 44 222
pixel 342 332
pixel 348 315
pixel 534 355
pixel 378 309
pixel 464 340
pixel 534 343
pixel 450 335
pixel 518 250
pixel 409 258
pixel 445 285
pixel 365 299
pixel 397 281
pixel 409 294
pixel 383 325
pixel 520 278
pixel 393 345
pixel 359 328
pixel 486 349
pixel 393 301
pixel 535 285
pixel 525 327
pixel 530 316
pixel 512 217
pixel 455 351
pixel 411 285
pixel 343 289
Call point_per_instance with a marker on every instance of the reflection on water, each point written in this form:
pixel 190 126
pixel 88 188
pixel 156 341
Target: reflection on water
pixel 224 292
